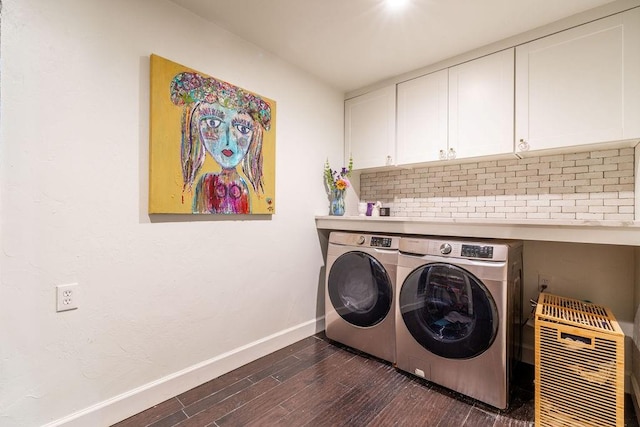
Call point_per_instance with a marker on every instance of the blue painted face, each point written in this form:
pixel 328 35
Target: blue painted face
pixel 225 133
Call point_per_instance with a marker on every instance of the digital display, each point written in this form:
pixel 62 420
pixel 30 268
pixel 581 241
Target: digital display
pixel 477 251
pixel 381 242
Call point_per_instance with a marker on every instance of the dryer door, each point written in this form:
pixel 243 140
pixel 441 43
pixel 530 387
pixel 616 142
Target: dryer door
pixel 360 289
pixel 448 311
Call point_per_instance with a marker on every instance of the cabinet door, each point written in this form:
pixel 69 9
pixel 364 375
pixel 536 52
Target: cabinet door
pixel 580 86
pixel 370 128
pixel 422 118
pixel 481 106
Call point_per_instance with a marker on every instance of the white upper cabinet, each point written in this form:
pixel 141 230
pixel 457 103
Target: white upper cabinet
pixel 422 118
pixel 465 111
pixel 370 128
pixel 481 106
pixel 580 86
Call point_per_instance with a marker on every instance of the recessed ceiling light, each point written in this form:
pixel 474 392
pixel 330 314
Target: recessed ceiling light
pixel 396 4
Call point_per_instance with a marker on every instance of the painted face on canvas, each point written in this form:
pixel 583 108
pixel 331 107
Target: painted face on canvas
pixel 225 132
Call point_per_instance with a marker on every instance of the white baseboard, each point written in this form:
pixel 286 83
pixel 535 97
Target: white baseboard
pixel 118 408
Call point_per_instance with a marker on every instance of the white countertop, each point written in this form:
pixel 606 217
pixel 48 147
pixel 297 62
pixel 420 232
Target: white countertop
pixel 577 231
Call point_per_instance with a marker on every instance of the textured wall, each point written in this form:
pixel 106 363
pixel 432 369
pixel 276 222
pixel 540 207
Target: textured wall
pixel 157 296
pixel 591 185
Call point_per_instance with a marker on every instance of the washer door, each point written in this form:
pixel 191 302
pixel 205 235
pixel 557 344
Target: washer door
pixel 448 311
pixel 360 289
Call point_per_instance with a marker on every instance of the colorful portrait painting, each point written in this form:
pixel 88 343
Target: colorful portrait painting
pixel 212 145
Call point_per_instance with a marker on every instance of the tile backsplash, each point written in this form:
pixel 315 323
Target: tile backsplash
pixel 590 185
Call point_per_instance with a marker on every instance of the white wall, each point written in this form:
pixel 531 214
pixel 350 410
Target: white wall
pixel 603 274
pixel 165 303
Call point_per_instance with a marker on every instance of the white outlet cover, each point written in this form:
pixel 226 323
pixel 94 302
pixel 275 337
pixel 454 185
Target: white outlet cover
pixel 67 297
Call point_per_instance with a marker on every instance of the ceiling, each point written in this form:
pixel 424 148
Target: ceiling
pixel 350 44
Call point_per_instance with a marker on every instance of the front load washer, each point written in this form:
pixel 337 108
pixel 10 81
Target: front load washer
pixel 458 314
pixel 359 292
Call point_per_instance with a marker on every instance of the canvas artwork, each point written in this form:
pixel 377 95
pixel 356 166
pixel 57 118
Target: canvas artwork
pixel 212 145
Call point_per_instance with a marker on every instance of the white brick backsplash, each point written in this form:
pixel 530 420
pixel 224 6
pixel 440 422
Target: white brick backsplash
pixel 618 159
pixel 577 156
pixel 552 209
pixel 562 190
pixel 589 185
pixel 607 153
pixel 576 169
pixel 626 195
pixel 500 215
pixel 563 164
pixel 619 187
pixel 619 217
pixel 575 196
pixel 589 189
pixel 590 202
pixel 516 168
pixel 590 216
pixel 539 215
pixel 603 209
pixel 588 162
pixel 618 202
pixel 563 203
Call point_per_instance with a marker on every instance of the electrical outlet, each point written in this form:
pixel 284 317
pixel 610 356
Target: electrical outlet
pixel 67 297
pixel 544 281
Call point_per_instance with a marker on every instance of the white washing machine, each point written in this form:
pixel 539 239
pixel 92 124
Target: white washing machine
pixel 458 314
pixel 359 292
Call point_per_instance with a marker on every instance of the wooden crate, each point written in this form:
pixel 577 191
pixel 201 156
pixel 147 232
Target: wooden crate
pixel 579 364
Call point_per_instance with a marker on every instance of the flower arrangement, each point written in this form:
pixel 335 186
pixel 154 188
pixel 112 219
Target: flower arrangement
pixel 337 180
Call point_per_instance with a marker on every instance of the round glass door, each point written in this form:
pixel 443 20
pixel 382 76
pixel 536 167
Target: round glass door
pixel 448 311
pixel 360 289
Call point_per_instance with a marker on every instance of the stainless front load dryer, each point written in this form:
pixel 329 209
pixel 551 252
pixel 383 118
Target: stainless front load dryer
pixel 458 314
pixel 359 292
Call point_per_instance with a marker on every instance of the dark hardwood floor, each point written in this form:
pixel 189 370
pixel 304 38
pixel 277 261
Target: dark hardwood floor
pixel 315 382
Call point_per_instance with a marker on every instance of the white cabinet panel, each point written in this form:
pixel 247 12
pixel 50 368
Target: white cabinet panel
pixel 422 118
pixel 481 98
pixel 370 128
pixel 580 86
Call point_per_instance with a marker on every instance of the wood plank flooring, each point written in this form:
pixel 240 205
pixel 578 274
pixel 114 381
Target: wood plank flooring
pixel 315 382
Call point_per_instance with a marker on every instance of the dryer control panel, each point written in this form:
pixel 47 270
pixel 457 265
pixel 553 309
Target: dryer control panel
pixel 476 251
pixel 380 242
pixel 456 248
pixel 364 240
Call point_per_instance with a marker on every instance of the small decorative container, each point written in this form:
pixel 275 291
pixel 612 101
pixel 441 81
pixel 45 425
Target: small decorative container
pixel 336 206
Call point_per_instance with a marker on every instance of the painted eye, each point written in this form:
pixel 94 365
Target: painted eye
pixel 213 122
pixel 242 128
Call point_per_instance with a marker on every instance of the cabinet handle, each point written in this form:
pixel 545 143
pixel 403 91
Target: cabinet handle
pixel 452 154
pixel 443 155
pixel 523 145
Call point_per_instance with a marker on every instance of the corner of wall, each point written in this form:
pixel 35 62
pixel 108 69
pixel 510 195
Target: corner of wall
pixel 637 187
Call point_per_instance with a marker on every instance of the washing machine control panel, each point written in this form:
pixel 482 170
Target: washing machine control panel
pixel 477 251
pixel 380 242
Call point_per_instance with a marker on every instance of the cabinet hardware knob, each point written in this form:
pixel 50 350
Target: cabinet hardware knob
pixel 523 145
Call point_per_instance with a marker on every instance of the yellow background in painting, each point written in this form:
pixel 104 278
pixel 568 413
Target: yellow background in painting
pixel 165 172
